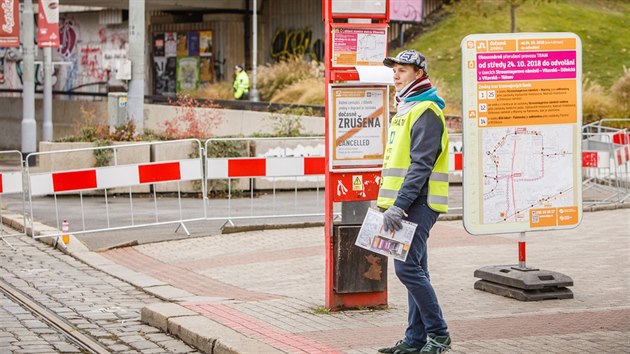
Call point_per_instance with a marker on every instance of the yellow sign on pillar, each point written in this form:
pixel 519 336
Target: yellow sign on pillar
pixel 357 183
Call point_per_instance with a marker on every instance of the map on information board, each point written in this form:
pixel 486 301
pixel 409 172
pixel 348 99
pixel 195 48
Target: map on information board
pixel 517 161
pixel 359 45
pixel 522 152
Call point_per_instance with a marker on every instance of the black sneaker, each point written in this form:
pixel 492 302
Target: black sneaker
pixel 398 347
pixel 436 344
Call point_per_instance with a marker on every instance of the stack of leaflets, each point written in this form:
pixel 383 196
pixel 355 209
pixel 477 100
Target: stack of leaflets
pixel 395 244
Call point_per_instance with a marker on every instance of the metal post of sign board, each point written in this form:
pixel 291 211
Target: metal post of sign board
pixel 522 167
pixel 350 179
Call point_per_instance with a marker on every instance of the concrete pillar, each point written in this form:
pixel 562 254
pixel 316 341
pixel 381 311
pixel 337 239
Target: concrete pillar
pixel 135 105
pixel 29 126
pixel 47 131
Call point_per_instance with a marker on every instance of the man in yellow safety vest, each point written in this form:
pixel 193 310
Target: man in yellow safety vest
pixel 241 83
pixel 414 187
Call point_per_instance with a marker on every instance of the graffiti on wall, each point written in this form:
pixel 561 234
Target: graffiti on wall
pixel 405 10
pixel 89 52
pixel 288 43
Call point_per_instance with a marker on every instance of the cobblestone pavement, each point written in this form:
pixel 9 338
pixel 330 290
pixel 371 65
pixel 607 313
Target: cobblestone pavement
pixel 98 304
pixel 269 285
pixel 22 332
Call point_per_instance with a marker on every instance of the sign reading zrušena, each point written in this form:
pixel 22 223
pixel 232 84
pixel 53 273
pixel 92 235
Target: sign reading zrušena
pixel 522 117
pixel 359 125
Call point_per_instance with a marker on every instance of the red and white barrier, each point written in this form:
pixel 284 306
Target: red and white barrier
pixel 114 176
pixel 264 167
pixel 596 159
pixel 622 155
pixel 455 161
pixel 11 182
pixel 621 138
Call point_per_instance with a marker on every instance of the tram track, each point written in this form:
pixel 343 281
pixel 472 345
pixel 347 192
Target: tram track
pixel 84 342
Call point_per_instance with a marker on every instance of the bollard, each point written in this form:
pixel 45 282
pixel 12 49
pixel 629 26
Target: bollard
pixel 65 236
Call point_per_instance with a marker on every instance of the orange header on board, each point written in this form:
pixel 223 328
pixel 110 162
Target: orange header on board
pixel 506 45
pixel 546 44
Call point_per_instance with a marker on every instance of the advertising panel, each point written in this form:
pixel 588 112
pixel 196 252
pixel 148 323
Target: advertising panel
pixel 522 142
pixel 9 23
pixel 48 23
pixel 358 125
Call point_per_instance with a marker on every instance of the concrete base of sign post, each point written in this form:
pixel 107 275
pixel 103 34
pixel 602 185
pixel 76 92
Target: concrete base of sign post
pixel 524 284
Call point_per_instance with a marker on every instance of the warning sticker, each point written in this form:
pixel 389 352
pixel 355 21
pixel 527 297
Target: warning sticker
pixel 357 183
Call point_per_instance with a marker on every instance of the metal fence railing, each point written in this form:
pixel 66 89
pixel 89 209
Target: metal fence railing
pixel 11 184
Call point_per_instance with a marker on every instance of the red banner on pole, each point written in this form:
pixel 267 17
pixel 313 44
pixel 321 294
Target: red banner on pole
pixel 9 23
pixel 48 23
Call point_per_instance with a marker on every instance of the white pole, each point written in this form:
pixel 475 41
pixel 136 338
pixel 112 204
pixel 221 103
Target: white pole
pixel 29 126
pixel 135 106
pixel 254 92
pixel 47 131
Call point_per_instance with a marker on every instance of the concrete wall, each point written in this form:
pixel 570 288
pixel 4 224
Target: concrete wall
pixel 232 122
pixel 68 119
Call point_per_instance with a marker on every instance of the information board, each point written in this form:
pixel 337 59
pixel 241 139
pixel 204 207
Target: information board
pixel 359 7
pixel 354 45
pixel 522 144
pixel 358 125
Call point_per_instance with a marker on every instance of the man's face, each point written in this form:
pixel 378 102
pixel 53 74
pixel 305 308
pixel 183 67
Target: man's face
pixel 404 74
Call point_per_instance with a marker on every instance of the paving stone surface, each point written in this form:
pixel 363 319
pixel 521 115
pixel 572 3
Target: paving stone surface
pixel 269 285
pixel 100 305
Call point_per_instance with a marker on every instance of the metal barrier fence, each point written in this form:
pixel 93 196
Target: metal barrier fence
pixel 261 178
pixel 170 166
pixel 255 185
pixel 606 162
pixel 247 178
pixel 11 183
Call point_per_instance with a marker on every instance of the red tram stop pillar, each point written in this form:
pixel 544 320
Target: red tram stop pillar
pixel 357 116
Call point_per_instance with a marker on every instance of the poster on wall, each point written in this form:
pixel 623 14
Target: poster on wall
pixel 158 44
pixel 48 23
pixel 205 43
pixel 9 24
pixel 187 73
pixel 170 44
pixel 405 10
pixel 164 73
pixel 193 44
pixel 182 44
pixel 206 69
pixel 170 73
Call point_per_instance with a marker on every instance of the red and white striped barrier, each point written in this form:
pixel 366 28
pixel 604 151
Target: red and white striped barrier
pixel 622 155
pixel 114 176
pixel 264 167
pixel 621 138
pixel 596 159
pixel 455 161
pixel 11 182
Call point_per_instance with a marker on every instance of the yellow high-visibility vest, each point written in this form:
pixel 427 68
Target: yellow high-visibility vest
pixel 241 84
pixel 398 158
